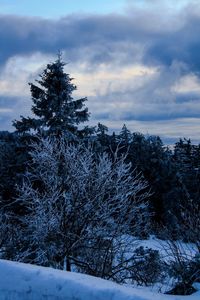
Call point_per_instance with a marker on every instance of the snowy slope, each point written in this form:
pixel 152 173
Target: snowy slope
pixel 27 282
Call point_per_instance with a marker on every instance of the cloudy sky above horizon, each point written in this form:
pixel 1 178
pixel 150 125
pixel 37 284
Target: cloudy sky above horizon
pixel 137 61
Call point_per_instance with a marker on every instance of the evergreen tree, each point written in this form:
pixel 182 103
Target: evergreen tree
pixel 113 142
pixel 53 105
pixel 102 137
pixel 149 156
pixel 125 136
pixel 13 162
pixel 186 157
pixel 183 156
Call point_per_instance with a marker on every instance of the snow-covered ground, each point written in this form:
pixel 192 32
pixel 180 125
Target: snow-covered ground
pixel 27 282
pixel 165 247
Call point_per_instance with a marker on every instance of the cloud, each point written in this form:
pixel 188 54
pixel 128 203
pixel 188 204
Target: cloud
pixel 180 44
pixel 153 96
pixel 141 35
pixel 140 67
pixel 93 38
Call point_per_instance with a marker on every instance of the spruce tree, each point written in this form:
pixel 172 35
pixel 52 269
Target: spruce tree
pixel 125 136
pixel 102 136
pixel 53 105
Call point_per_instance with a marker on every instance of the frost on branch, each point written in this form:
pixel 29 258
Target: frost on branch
pixel 80 203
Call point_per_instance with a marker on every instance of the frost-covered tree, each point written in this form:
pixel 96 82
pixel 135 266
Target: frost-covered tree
pixel 53 105
pixel 84 204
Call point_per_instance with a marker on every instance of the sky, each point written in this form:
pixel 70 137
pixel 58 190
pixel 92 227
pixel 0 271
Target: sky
pixel 137 61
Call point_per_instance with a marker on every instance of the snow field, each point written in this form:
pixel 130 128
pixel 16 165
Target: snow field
pixel 20 281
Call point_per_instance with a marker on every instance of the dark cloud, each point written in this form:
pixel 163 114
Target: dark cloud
pixel 171 43
pixel 123 38
pixel 93 38
pixel 182 98
pixel 180 44
pixel 127 116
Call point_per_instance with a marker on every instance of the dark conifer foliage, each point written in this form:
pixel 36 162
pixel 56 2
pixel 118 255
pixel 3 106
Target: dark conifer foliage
pixel 53 105
pixel 13 163
pixel 150 157
pixel 173 175
pixel 125 136
pixel 103 139
pixel 187 161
